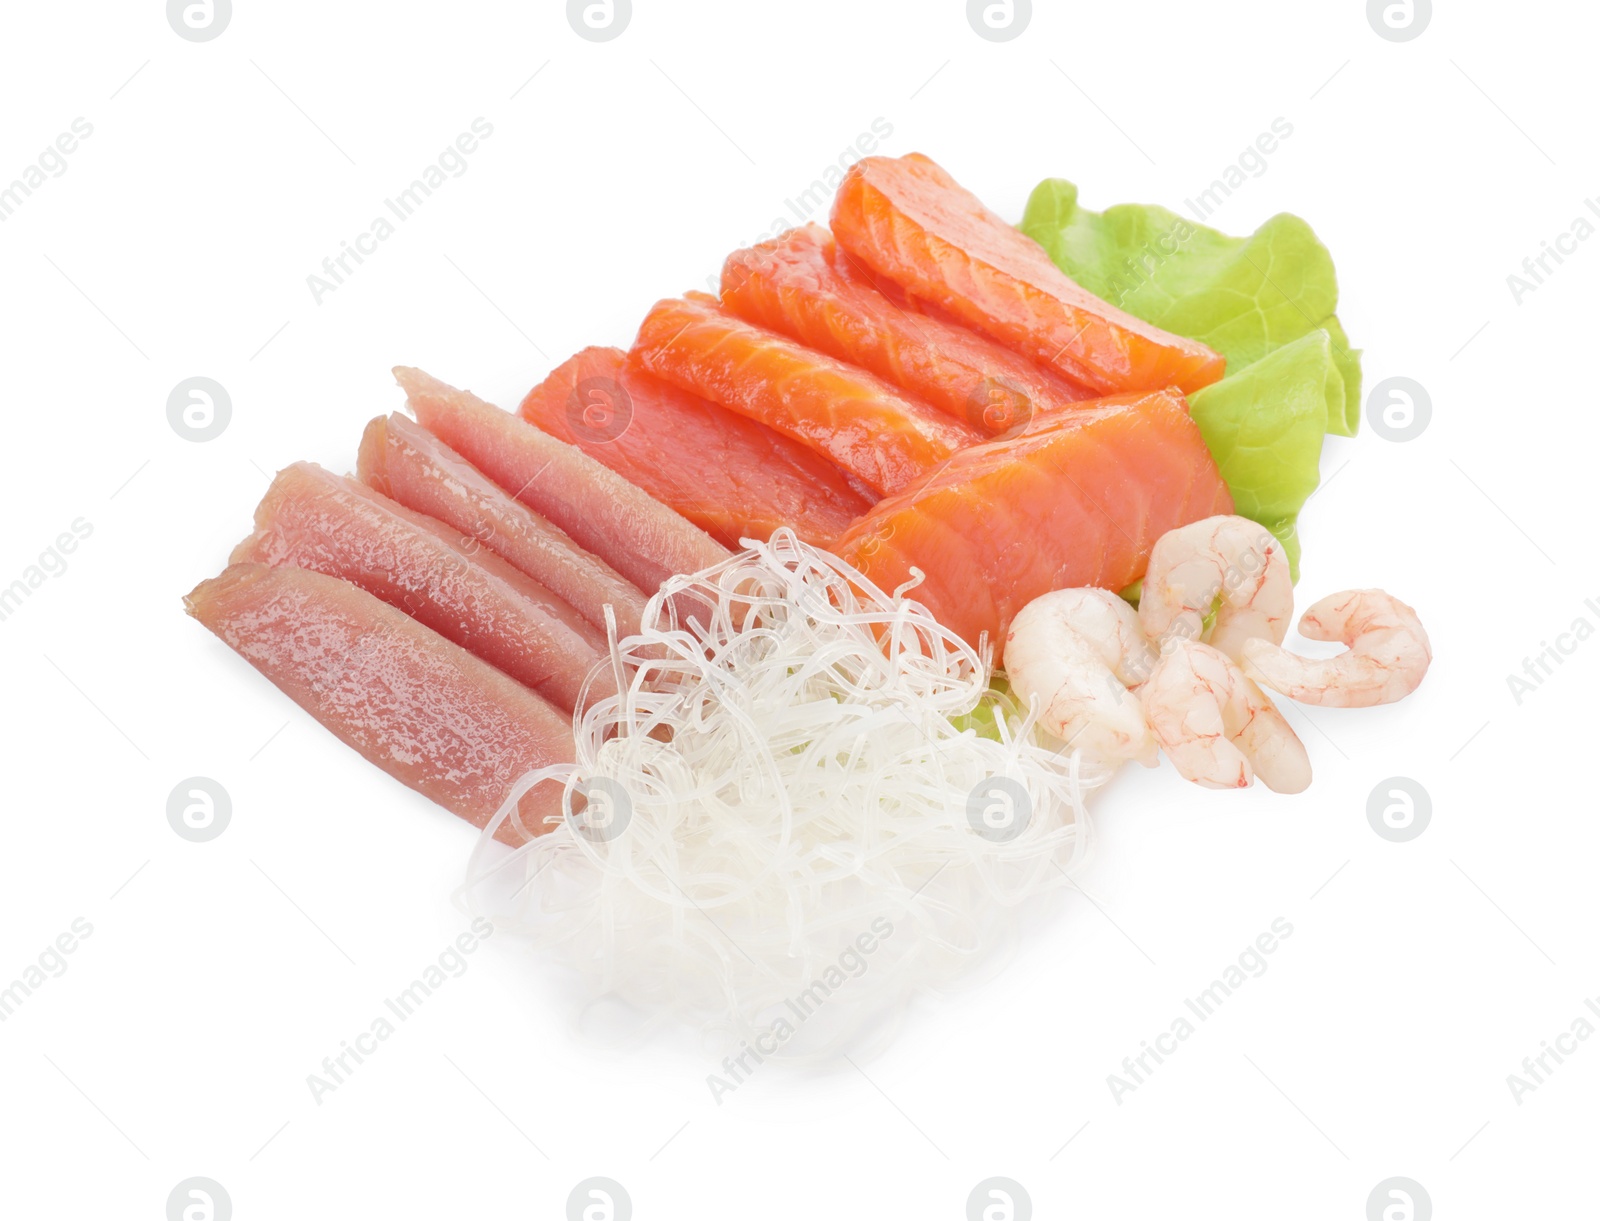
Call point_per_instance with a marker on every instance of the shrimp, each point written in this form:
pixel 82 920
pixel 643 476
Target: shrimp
pixel 1073 652
pixel 1387 656
pixel 1191 566
pixel 1219 729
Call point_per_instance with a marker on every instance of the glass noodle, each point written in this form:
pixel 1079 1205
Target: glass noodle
pixel 806 805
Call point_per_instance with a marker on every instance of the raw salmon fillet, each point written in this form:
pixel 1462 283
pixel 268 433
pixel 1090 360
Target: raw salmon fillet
pixel 426 711
pixel 618 521
pixel 806 287
pixel 311 518
pixel 1079 500
pixel 852 417
pixel 729 475
pixel 910 221
pixel 405 462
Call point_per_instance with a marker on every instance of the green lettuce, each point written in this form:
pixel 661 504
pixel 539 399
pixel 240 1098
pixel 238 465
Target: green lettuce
pixel 1264 426
pixel 992 705
pixel 1266 302
pixel 1245 297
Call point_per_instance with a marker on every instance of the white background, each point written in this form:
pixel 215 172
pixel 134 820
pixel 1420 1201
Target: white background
pixel 177 243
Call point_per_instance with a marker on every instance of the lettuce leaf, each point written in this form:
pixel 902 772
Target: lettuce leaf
pixel 1266 302
pixel 1264 426
pixel 992 705
pixel 1246 297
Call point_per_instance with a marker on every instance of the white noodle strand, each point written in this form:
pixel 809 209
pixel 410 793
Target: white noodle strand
pixel 791 755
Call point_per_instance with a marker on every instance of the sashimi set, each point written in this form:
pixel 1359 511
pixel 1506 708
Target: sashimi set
pixel 822 607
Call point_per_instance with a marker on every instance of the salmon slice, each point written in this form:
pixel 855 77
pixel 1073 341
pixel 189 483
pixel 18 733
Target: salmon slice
pixel 426 711
pixel 806 287
pixel 1077 501
pixel 311 518
pixel 856 419
pixel 405 462
pixel 618 521
pixel 910 221
pixel 729 475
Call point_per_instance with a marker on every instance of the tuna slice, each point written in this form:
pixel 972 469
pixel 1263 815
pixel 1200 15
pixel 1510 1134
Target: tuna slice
pixel 1075 501
pixel 852 417
pixel 911 222
pixel 404 461
pixel 426 711
pixel 731 476
pixel 637 535
pixel 805 286
pixel 313 519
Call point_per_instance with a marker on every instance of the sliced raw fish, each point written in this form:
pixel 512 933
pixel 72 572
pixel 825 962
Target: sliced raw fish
pixel 908 220
pixel 1075 501
pixel 805 286
pixel 729 475
pixel 864 425
pixel 404 461
pixel 311 518
pixel 426 711
pixel 640 537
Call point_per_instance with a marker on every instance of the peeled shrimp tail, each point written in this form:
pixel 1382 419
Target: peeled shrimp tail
pixel 1219 729
pixel 1230 563
pixel 1072 654
pixel 1387 658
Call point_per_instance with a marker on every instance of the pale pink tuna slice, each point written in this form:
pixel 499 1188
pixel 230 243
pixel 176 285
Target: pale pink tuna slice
pixel 636 534
pixel 425 710
pixel 407 463
pixel 311 518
